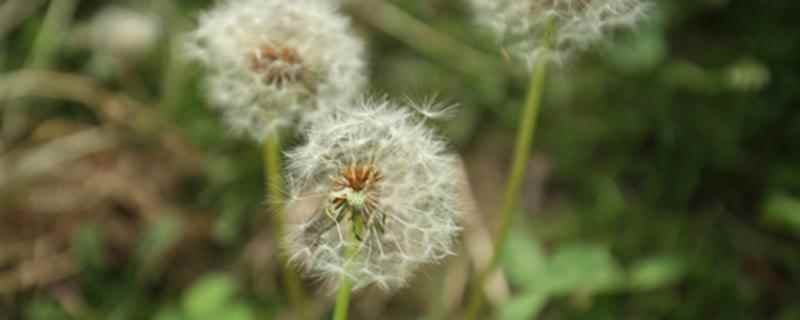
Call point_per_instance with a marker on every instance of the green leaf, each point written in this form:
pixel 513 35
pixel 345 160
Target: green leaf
pixel 209 296
pixel 159 237
pixel 239 311
pixel 609 198
pixel 88 245
pixel 583 268
pixel 523 258
pixel 789 313
pixel 169 313
pixel 523 307
pixel 638 51
pixel 573 270
pixel 44 309
pixel 656 272
pixel 228 226
pixel 782 211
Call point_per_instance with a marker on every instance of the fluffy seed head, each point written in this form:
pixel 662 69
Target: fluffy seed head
pixel 123 32
pixel 372 176
pixel 524 25
pixel 273 62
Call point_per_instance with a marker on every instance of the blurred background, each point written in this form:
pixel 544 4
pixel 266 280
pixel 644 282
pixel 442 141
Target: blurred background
pixel 664 183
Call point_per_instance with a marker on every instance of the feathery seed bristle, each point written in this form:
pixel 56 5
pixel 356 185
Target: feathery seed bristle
pixel 275 63
pixel 375 170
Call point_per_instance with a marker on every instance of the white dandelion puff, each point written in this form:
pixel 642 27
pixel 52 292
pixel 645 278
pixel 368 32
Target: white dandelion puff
pixel 525 26
pixel 274 62
pixel 372 176
pixel 123 32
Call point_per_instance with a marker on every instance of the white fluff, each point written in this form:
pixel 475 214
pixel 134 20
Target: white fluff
pixel 421 193
pixel 123 32
pixel 522 25
pixel 258 94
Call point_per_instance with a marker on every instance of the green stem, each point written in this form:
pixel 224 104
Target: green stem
pixel 390 19
pixel 522 151
pixel 272 165
pixel 43 55
pixel 50 37
pixel 345 287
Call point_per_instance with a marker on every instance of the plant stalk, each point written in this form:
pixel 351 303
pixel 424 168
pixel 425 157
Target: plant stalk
pixel 522 150
pixel 389 19
pixel 345 287
pixel 48 42
pixel 272 166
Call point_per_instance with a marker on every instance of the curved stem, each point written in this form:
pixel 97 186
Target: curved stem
pixel 522 149
pixel 389 19
pixel 345 287
pixel 272 166
pixel 43 55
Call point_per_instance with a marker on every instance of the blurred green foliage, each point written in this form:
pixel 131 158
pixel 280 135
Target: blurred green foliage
pixel 674 191
pixel 212 297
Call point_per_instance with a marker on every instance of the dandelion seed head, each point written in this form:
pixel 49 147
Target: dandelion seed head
pixel 524 25
pixel 123 32
pixel 380 160
pixel 274 62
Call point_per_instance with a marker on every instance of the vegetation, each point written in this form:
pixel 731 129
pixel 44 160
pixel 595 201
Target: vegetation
pixel 663 182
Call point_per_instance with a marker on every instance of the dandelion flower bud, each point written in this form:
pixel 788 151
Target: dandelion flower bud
pixel 372 177
pixel 524 26
pixel 273 62
pixel 124 33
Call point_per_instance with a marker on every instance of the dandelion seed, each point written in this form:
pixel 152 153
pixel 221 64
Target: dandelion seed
pixel 375 171
pixel 524 25
pixel 274 62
